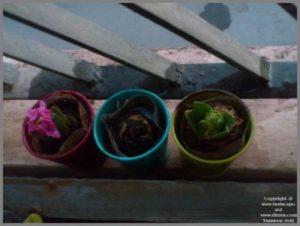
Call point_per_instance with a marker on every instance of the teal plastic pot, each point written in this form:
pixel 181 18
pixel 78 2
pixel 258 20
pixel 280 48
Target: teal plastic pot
pixel 151 159
pixel 206 167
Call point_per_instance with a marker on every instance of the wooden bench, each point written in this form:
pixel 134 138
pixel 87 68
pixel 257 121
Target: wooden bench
pixel 266 160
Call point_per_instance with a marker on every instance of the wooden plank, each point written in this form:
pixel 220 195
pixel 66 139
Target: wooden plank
pixel 34 53
pixel 69 26
pixel 189 25
pixel 147 201
pixel 21 88
pixel 34 83
pixel 271 157
pixel 11 74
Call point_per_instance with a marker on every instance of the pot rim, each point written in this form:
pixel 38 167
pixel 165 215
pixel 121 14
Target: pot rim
pixel 74 149
pixel 162 139
pixel 251 131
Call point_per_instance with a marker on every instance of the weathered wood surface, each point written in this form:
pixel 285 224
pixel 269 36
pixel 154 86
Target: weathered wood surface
pixel 11 74
pixel 34 53
pixel 189 25
pixel 34 83
pixel 37 54
pixel 271 157
pixel 66 25
pixel 146 201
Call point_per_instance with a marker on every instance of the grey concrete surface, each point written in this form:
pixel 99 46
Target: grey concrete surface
pixel 253 24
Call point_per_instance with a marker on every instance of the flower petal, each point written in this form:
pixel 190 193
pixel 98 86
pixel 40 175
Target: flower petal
pixel 40 121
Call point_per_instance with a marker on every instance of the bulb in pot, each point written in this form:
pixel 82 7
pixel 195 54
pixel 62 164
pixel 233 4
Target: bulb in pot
pixel 134 128
pixel 136 132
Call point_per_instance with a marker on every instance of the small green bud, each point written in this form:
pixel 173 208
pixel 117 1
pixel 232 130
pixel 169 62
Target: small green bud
pixel 33 218
pixel 61 120
pixel 207 122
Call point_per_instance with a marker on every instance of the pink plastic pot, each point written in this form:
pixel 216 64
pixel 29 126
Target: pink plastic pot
pixel 84 155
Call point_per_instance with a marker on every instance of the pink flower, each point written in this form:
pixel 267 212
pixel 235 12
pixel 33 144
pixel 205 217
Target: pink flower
pixel 40 121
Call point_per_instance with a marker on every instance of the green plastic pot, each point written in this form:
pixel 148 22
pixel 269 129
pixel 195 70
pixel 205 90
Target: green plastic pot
pixel 201 166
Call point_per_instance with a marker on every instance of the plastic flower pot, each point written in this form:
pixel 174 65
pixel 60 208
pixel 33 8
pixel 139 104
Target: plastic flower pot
pixel 81 155
pixel 202 165
pixel 147 160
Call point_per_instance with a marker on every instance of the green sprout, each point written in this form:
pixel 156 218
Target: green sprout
pixel 33 218
pixel 61 120
pixel 208 123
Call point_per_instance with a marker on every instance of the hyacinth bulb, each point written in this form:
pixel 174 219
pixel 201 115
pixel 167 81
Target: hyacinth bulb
pixel 134 128
pixel 215 128
pixel 57 124
pixel 209 123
